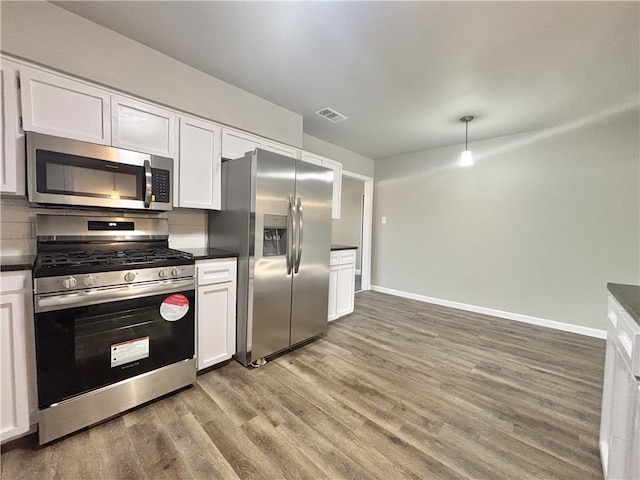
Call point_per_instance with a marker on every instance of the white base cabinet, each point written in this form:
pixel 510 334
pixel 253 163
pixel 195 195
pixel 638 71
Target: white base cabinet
pixel 620 419
pixel 215 311
pixel 342 274
pixel 17 369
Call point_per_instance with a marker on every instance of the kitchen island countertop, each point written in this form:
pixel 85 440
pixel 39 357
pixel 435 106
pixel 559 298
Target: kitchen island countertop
pixel 629 298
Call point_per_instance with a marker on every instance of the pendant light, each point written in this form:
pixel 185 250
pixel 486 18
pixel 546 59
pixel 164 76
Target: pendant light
pixel 466 159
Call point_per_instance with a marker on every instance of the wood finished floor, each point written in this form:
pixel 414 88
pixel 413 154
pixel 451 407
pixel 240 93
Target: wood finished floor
pixel 399 389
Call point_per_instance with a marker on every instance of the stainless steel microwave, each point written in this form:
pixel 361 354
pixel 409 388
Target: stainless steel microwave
pixel 70 172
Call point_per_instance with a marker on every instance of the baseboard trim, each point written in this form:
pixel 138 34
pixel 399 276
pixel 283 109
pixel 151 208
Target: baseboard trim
pixel 567 327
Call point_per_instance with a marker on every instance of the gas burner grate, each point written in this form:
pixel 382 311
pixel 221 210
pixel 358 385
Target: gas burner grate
pixel 110 257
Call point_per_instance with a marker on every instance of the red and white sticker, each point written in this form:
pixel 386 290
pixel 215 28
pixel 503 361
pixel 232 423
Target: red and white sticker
pixel 174 307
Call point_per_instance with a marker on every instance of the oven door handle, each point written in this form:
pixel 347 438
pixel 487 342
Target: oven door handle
pixel 81 298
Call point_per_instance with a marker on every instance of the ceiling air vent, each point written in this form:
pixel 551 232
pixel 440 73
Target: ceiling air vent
pixel 331 115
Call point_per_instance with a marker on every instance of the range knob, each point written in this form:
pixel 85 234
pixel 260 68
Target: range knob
pixel 69 282
pixel 162 273
pixel 129 276
pixel 175 272
pixel 89 281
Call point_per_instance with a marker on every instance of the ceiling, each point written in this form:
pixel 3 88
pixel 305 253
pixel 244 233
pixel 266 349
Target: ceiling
pixel 402 72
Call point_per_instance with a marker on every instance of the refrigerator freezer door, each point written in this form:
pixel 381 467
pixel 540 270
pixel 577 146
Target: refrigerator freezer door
pixel 311 282
pixel 269 318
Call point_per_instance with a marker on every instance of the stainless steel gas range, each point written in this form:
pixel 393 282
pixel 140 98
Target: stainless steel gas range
pixel 114 318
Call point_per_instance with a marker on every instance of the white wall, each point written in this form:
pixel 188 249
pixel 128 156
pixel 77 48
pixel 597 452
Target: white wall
pixel 351 162
pixel 537 227
pixel 347 230
pixel 51 36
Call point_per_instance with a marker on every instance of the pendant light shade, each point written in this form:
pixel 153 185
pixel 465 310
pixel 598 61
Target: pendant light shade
pixel 466 159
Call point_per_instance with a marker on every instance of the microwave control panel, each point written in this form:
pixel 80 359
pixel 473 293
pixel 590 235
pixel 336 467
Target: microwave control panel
pixel 161 187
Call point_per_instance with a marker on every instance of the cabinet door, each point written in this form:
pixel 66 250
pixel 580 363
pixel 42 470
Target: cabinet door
pixel 634 459
pixel 346 287
pixel 312 158
pixel 142 127
pixel 62 107
pixel 281 149
pixel 12 161
pixel 337 186
pixel 199 164
pixel 14 369
pixel 235 144
pixel 623 386
pixel 333 292
pixel 215 311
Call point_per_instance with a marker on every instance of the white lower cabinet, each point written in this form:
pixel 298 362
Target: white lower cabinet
pixel 620 418
pixel 215 311
pixel 342 272
pixel 17 369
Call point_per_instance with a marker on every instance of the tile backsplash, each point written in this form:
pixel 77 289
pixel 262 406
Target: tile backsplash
pixel 187 227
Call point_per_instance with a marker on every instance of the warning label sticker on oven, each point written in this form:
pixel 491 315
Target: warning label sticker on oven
pixel 129 351
pixel 174 307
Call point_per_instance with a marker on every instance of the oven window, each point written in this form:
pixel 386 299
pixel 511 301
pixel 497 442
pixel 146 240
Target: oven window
pixel 87 177
pixel 85 348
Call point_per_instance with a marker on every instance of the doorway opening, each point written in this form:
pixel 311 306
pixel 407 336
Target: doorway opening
pixel 355 223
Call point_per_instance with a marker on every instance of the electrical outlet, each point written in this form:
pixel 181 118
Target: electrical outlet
pixel 384 220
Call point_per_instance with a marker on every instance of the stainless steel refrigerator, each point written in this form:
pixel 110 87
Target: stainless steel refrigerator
pixel 276 213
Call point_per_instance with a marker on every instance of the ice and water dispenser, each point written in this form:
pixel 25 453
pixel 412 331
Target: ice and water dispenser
pixel 274 240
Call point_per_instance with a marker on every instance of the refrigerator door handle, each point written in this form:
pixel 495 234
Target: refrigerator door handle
pixel 300 234
pixel 290 235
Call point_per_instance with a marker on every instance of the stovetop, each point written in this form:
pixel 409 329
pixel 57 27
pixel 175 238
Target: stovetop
pixel 93 261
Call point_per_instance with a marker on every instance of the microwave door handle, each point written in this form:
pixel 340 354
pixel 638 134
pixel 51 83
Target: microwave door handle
pixel 300 233
pixel 148 183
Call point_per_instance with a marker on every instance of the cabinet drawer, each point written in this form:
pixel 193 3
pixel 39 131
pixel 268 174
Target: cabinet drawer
pixel 334 259
pixel 347 256
pixel 215 271
pixel 15 281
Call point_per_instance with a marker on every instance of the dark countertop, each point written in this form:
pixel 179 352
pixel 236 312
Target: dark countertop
pixel 343 247
pixel 14 263
pixel 629 298
pixel 208 253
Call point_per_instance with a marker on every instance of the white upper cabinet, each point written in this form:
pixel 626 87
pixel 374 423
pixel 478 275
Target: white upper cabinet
pixel 337 178
pixel 58 106
pixel 199 164
pixel 280 148
pixel 337 186
pixel 12 160
pixel 235 143
pixel 312 158
pixel 142 127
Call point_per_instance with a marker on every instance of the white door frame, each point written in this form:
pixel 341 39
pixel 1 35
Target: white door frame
pixel 367 226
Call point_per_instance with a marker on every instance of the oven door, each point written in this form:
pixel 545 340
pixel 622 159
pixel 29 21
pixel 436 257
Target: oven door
pixel 82 348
